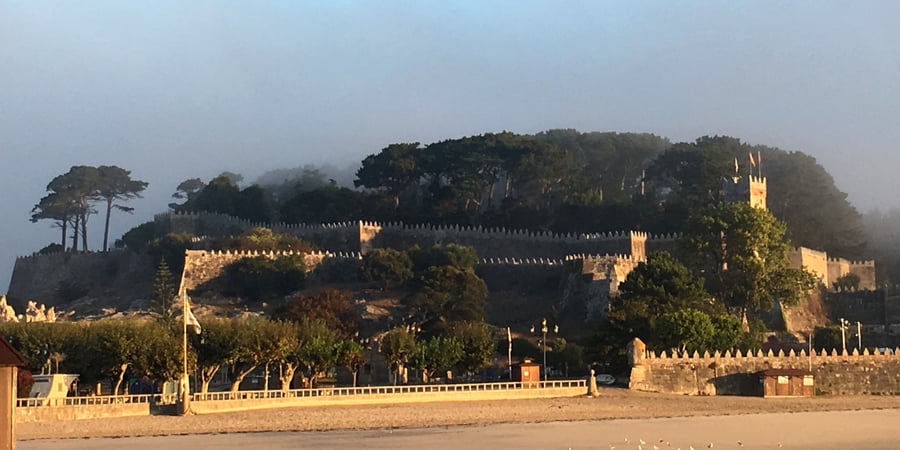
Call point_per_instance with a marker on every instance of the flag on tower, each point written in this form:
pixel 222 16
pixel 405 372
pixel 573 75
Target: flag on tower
pixel 752 162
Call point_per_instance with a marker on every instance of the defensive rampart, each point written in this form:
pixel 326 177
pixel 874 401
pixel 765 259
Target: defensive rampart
pixel 201 266
pixel 361 236
pixel 870 372
pixel 52 279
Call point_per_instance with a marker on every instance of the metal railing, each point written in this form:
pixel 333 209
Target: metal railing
pixel 34 402
pixel 168 399
pixel 388 390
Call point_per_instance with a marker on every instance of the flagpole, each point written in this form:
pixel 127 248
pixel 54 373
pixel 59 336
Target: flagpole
pixel 184 383
pixel 759 163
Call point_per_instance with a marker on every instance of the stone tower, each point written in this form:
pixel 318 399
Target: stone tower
pixel 745 189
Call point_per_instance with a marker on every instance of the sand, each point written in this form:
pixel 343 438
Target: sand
pixel 612 404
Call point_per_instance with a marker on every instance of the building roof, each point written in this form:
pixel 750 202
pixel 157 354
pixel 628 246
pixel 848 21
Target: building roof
pixel 783 372
pixel 8 355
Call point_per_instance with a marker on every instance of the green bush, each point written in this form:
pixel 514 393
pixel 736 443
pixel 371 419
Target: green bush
pixel 261 277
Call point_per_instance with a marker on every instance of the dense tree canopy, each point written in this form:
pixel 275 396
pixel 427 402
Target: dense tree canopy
pixel 741 252
pixel 71 196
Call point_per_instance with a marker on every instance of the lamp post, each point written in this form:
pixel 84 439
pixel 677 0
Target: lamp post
pixel 844 324
pixel 859 335
pixel 544 330
pixel 509 352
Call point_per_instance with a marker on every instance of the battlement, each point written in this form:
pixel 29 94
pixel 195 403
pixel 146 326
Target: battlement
pixel 746 189
pixel 740 356
pixel 619 258
pixel 757 180
pixel 836 372
pixel 859 263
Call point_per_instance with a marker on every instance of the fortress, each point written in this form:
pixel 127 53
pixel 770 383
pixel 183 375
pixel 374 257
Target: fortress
pixel 587 267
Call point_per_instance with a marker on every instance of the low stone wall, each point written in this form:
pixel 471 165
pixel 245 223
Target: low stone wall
pixel 727 374
pixel 75 412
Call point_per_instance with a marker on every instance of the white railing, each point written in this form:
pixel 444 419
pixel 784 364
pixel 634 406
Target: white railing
pixel 168 399
pixel 160 399
pixel 388 390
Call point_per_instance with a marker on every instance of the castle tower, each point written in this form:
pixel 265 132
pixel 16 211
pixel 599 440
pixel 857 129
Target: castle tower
pixel 745 189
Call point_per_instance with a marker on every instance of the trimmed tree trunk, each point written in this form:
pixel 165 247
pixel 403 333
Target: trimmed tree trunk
pixel 121 377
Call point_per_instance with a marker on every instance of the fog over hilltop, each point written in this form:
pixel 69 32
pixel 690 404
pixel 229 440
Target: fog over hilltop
pixel 174 90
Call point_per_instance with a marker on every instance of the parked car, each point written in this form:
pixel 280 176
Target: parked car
pixel 605 378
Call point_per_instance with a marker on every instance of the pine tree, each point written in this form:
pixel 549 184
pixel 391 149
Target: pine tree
pixel 162 305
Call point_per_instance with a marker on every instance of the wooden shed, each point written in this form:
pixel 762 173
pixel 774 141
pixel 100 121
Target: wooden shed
pixel 10 361
pixel 787 383
pixel 527 372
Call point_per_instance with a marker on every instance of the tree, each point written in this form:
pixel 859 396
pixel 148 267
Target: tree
pixel 688 176
pixel 187 189
pixel 160 352
pixel 250 337
pixel 171 248
pixel 743 256
pixel 477 340
pixel 388 267
pixel 119 343
pixel 392 170
pixel 58 207
pixel 163 303
pixel 398 346
pixel 436 355
pixel 350 354
pixel 444 295
pixel 828 338
pixel 335 308
pixel 460 257
pixel 77 187
pixel 261 277
pixel 848 282
pixel 317 348
pixel 326 204
pixel 658 286
pixel 727 332
pixel 817 214
pixel 264 240
pixel 686 330
pixel 115 184
pixel 217 347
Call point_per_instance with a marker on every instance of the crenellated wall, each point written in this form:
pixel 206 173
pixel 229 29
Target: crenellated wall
pixel 201 266
pixel 750 189
pixel 814 261
pixel 50 279
pixel 869 372
pixel 362 236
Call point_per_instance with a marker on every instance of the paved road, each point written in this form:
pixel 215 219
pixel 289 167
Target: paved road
pixel 873 429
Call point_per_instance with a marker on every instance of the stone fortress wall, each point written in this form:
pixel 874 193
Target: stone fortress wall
pixel 597 262
pixel 362 236
pixel 51 278
pixel 830 269
pixel 838 373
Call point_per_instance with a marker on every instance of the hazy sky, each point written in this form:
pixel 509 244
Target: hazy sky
pixel 182 89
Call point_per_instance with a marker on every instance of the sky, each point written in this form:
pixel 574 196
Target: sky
pixel 172 90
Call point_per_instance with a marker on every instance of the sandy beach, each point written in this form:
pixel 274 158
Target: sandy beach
pixel 612 404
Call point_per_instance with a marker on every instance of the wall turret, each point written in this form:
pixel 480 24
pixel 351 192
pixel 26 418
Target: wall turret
pixel 750 189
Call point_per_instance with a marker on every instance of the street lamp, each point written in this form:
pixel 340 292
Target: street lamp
pixel 844 325
pixel 859 335
pixel 544 331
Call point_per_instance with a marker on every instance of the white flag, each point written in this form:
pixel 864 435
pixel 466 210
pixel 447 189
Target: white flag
pixel 189 318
